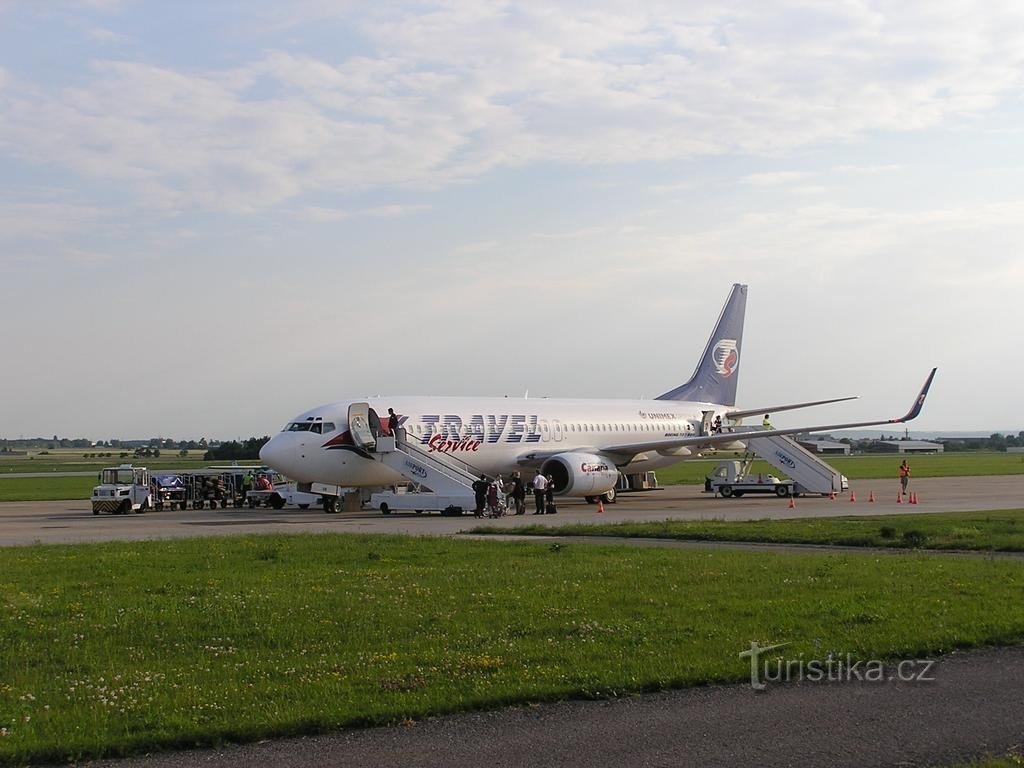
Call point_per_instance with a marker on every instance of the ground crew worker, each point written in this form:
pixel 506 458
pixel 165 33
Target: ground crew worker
pixel 766 423
pixel 540 487
pixel 904 476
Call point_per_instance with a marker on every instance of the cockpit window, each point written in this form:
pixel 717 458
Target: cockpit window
pixel 315 427
pixel 328 427
pixel 299 426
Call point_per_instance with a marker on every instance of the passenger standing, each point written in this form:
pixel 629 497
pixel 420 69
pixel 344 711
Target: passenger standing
pixel 520 493
pixel 904 477
pixel 492 499
pixel 540 487
pixel 549 497
pixel 480 493
pixel 392 422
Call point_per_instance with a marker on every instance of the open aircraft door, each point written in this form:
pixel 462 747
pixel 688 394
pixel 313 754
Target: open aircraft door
pixel 706 422
pixel 364 425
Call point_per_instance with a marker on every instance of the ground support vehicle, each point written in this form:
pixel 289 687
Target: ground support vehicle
pixel 730 478
pixel 282 494
pixel 122 489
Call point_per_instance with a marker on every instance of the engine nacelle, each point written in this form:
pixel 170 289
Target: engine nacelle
pixel 581 474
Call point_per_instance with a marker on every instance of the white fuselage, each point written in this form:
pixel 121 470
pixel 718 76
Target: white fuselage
pixel 493 435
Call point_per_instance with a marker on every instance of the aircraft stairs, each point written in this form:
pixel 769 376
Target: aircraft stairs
pixel 438 481
pixel 811 474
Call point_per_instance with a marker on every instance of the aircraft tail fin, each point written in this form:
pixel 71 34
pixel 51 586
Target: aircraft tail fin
pixel 714 381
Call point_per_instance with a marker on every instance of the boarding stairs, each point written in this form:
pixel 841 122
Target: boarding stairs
pixel 811 474
pixel 438 481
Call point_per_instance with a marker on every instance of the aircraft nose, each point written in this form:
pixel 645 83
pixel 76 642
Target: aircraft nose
pixel 275 453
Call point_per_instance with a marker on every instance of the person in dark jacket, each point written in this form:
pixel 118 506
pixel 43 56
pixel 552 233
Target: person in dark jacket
pixel 480 493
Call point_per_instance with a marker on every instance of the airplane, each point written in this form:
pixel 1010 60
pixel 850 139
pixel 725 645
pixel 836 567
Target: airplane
pixel 584 444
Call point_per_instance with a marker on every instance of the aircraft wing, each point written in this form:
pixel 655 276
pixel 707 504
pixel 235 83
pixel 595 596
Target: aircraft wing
pixel 725 438
pixel 777 408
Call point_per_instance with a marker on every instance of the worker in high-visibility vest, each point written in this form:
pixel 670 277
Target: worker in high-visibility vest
pixel 766 423
pixel 904 476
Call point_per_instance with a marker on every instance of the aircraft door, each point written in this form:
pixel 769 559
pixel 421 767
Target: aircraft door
pixel 705 424
pixel 359 425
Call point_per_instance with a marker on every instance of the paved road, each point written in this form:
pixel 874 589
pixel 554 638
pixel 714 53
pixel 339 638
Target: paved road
pixel 65 522
pixel 974 705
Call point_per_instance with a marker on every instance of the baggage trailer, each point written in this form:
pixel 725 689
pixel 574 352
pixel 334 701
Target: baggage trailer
pixel 169 492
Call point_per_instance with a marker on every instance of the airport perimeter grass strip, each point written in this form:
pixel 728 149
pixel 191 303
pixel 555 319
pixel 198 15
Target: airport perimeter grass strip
pixel 1012 760
pixel 119 648
pixel 691 472
pixel 998 531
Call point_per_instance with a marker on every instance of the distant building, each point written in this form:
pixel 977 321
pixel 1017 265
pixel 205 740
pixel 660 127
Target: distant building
pixel 914 446
pixel 825 447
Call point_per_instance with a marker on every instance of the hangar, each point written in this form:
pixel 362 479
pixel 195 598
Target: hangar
pixel 825 446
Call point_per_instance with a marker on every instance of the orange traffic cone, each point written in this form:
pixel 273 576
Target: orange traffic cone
pixel 899 498
pixel 871 497
pixel 913 498
pixel 853 496
pixel 792 503
pixel 600 506
pixel 832 495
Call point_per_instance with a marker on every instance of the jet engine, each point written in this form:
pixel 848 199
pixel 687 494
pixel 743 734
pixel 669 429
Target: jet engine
pixel 581 474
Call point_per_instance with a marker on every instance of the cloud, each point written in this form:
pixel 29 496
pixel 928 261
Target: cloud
pixel 440 93
pixel 869 170
pixel 47 220
pixel 321 214
pixel 774 179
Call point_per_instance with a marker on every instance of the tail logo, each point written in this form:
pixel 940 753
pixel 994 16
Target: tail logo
pixel 726 357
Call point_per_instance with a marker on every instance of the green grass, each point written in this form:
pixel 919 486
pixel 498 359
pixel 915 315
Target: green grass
pixel 73 460
pixel 1001 530
pixel 124 647
pixel 870 466
pixel 1011 760
pixel 46 488
pixel 688 472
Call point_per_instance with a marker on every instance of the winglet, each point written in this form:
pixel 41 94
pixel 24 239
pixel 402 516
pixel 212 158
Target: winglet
pixel 915 409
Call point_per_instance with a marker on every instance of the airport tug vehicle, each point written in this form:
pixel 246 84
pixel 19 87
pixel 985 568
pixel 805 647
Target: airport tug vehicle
pixel 732 478
pixel 122 490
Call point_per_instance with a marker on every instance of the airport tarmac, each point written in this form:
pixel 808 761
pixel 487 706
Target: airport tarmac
pixel 59 522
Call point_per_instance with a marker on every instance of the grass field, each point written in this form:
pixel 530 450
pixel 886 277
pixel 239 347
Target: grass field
pixel 688 472
pixel 74 460
pixel 122 647
pixel 1001 530
pixel 58 488
pixel 871 466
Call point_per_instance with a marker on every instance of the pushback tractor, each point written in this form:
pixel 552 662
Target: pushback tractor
pixel 122 489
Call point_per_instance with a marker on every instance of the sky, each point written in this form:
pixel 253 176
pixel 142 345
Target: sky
pixel 214 216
